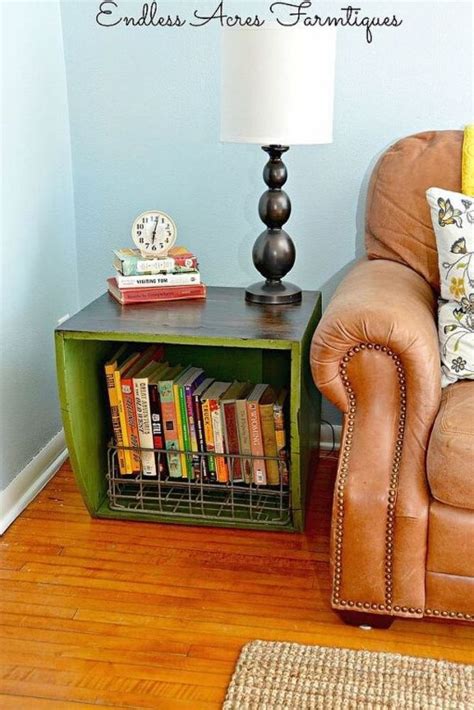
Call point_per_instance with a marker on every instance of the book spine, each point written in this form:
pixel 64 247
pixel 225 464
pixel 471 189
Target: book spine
pixel 155 295
pixel 114 411
pixel 231 438
pixel 157 429
pixel 142 406
pixel 193 442
pixel 256 444
pixel 201 462
pixel 280 439
pixel 190 279
pixel 185 460
pixel 132 266
pixel 123 424
pixel 131 417
pixel 170 427
pixel 209 438
pixel 221 466
pixel 244 438
pixel 269 443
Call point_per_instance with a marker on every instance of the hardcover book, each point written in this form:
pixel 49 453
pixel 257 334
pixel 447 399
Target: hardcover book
pixel 201 463
pixel 181 418
pixel 130 262
pixel 110 367
pixel 155 294
pixel 259 471
pixel 238 390
pixel 213 428
pixel 118 374
pixel 244 438
pixel 191 443
pixel 162 372
pixel 170 423
pixel 280 433
pixel 142 406
pixel 266 407
pixel 148 281
pixel 152 353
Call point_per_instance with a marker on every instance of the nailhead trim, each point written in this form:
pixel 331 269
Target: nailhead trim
pixel 450 614
pixel 393 487
pixel 341 483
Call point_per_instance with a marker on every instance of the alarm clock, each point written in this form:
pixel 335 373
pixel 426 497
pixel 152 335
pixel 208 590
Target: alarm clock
pixel 154 233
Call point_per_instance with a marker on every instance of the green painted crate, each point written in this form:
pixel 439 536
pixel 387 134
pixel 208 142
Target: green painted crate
pixel 227 337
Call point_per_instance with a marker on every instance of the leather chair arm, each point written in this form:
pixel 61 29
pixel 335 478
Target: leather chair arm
pixel 375 355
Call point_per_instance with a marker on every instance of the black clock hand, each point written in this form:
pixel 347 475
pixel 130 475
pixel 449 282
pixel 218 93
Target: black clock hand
pixel 154 231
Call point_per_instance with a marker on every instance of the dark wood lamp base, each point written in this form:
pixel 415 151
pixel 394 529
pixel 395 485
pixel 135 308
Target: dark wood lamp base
pixel 274 252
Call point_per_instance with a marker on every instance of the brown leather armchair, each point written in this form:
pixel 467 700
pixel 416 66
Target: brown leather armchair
pixel 402 539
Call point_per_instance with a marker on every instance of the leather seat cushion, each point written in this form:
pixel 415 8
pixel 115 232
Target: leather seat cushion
pixel 450 462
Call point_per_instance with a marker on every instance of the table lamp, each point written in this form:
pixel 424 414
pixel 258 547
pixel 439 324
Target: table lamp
pixel 277 90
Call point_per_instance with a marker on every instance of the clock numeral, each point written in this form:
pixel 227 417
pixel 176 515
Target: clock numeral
pixel 139 231
pixel 141 240
pixel 153 248
pixel 147 245
pixel 162 246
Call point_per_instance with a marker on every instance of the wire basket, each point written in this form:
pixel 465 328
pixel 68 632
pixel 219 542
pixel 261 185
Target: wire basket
pixel 232 501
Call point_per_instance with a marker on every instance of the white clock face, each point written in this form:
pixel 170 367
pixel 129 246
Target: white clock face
pixel 154 233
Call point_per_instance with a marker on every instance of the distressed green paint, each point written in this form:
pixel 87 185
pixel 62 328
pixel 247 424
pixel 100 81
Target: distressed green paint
pixel 84 404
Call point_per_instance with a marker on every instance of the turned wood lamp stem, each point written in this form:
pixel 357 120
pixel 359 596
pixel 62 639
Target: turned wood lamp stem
pixel 274 252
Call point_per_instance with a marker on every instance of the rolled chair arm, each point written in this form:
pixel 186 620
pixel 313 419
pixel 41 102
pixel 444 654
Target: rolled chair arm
pixel 375 356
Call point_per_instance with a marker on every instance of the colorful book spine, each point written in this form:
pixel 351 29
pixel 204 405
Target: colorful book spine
pixel 280 435
pixel 256 443
pixel 232 440
pixel 142 407
pixel 114 411
pixel 200 463
pixel 132 422
pixel 269 443
pixel 129 460
pixel 129 262
pixel 147 281
pixel 221 464
pixel 157 429
pixel 209 438
pixel 184 437
pixel 193 461
pixel 244 438
pixel 168 411
pixel 155 294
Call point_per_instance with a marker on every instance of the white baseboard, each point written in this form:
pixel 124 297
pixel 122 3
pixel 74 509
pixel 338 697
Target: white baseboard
pixel 31 480
pixel 326 442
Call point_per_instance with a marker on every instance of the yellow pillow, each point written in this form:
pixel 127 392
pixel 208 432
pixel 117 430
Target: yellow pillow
pixel 468 161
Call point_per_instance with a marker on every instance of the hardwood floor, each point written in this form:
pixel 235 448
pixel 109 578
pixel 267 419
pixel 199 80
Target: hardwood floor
pixel 140 615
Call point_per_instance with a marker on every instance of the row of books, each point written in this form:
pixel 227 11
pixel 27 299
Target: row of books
pixel 171 278
pixel 226 429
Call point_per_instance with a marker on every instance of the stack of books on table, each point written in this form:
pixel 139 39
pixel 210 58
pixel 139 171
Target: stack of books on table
pixel 172 278
pixel 182 410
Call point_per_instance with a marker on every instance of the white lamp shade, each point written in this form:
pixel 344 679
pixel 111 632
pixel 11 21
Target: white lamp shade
pixel 278 85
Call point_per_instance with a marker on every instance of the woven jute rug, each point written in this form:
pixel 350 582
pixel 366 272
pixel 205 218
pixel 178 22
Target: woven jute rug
pixel 274 676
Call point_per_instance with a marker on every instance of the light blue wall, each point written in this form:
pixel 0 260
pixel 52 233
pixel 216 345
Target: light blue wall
pixel 144 108
pixel 38 257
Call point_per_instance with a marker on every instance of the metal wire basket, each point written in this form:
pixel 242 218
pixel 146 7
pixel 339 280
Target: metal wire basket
pixel 233 501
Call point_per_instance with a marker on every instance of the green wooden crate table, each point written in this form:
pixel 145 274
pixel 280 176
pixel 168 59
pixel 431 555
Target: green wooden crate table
pixel 231 340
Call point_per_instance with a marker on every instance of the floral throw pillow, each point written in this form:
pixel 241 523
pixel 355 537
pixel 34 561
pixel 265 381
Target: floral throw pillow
pixel 452 214
pixel 456 339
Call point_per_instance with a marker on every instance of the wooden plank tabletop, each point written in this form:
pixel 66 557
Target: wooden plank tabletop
pixel 224 314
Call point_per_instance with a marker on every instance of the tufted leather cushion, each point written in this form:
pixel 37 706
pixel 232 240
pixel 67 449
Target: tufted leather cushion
pixel 450 464
pixel 398 223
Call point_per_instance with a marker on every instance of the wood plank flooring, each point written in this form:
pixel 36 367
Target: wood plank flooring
pixel 140 615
